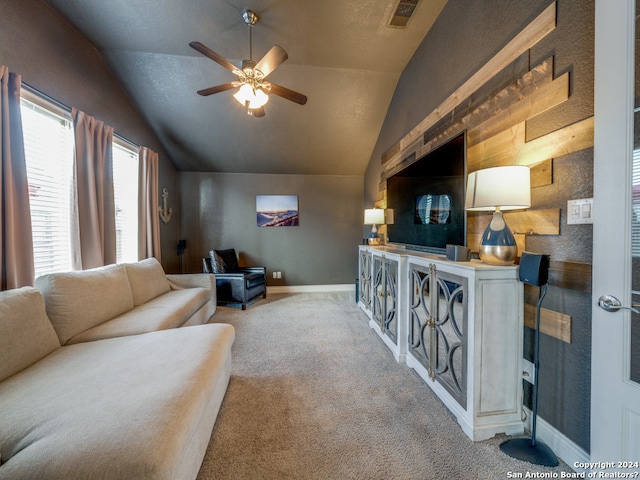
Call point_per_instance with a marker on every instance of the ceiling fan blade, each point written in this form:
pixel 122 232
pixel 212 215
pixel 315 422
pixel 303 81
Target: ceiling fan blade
pixel 206 51
pixel 271 60
pixel 288 94
pixel 217 89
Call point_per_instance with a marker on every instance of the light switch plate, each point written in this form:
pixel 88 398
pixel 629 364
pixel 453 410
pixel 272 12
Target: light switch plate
pixel 580 211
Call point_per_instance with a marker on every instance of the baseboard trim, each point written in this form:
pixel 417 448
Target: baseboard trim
pixel 311 288
pixel 565 449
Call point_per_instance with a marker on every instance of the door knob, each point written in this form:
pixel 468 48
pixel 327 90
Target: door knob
pixel 610 303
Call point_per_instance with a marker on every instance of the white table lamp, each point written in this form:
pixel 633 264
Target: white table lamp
pixel 498 189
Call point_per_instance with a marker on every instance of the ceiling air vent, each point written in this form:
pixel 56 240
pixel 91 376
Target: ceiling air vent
pixel 403 12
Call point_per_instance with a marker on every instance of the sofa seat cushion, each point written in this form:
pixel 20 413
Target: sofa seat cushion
pixel 147 280
pixel 125 407
pixel 169 310
pixel 26 334
pixel 80 300
pixel 253 279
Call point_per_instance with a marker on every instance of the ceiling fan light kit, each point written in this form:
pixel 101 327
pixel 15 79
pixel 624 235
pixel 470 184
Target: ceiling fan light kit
pixel 251 98
pixel 252 88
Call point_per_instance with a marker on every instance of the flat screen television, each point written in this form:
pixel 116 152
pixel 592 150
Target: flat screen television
pixel 427 199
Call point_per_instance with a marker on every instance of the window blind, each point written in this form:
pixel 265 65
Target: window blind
pixel 125 189
pixel 48 142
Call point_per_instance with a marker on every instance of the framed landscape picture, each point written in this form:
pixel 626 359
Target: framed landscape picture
pixel 277 210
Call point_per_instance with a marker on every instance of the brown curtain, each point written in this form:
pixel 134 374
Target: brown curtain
pixel 16 243
pixel 148 219
pixel 94 243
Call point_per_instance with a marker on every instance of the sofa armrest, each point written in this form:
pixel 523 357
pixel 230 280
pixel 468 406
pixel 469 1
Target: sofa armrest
pixel 192 280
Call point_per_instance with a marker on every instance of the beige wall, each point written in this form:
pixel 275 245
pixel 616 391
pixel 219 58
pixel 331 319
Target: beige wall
pixel 57 60
pixel 219 211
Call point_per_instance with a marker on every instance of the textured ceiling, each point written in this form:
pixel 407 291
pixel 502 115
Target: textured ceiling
pixel 342 56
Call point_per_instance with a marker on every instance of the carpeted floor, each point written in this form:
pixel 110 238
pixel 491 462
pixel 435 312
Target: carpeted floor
pixel 315 394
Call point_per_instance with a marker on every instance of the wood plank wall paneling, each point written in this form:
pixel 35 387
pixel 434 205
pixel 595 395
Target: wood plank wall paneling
pixel 542 173
pixel 510 147
pixel 554 324
pixel 530 222
pixel 571 275
pixel 541 100
pixel 539 28
pixel 521 223
pixel 525 82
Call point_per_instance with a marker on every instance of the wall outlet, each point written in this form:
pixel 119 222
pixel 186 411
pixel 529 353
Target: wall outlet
pixel 528 370
pixel 278 274
pixel 275 275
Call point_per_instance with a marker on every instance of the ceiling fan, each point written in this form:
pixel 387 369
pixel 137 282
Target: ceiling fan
pixel 253 89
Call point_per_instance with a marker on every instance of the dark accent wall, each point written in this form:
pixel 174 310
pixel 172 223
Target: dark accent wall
pixel 465 36
pixel 57 60
pixel 219 211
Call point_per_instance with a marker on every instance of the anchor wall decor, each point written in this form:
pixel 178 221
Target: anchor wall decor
pixel 165 214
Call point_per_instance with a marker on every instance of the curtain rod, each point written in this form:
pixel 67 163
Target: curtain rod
pixel 67 108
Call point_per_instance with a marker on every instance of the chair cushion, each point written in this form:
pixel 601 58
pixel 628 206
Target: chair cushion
pixel 26 334
pixel 147 280
pixel 224 261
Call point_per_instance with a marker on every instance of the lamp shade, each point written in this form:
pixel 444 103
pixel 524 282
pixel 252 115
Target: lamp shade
pixel 504 188
pixel 374 216
pixel 388 216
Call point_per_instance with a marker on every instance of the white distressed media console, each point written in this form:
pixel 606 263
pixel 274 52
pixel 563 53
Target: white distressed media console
pixel 459 325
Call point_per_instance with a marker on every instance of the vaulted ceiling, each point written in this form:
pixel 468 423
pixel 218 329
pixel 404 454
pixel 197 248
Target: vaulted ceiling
pixel 343 56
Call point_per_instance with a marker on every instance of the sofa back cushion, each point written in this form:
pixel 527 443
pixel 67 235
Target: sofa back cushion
pixel 26 334
pixel 147 280
pixel 80 300
pixel 224 261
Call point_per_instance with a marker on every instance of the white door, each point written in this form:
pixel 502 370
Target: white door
pixel 615 370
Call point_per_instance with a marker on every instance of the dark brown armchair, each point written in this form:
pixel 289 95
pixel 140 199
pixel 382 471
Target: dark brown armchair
pixel 235 286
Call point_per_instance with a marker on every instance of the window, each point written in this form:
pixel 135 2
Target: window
pixel 49 143
pixel 125 189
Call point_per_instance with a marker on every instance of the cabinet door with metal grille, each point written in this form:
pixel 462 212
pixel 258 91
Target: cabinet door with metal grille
pixel 450 328
pixel 438 327
pixel 364 277
pixel 390 322
pixel 377 280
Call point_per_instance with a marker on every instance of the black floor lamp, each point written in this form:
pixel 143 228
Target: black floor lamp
pixel 534 270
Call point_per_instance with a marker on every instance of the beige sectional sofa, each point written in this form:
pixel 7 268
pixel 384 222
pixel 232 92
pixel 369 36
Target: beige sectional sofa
pixel 141 404
pixel 125 299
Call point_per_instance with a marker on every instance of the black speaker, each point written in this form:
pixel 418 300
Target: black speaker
pixel 534 268
pixel 182 244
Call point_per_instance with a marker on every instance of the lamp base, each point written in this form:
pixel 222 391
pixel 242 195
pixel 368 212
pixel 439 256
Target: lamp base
pixel 498 245
pixel 498 254
pixel 524 449
pixel 373 241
